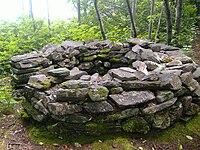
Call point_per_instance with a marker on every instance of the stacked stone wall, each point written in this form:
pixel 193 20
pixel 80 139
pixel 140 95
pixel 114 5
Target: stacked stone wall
pixel 133 86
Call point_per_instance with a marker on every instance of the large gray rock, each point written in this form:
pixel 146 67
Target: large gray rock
pixel 156 108
pixel 58 54
pixel 175 53
pixel 175 112
pixel 131 55
pixel 174 63
pixel 98 93
pixel 70 95
pixel 163 96
pixel 98 107
pixel 140 66
pixel 24 71
pixel 185 59
pixel 39 81
pixel 32 63
pixel 153 65
pixel 40 107
pixel 132 98
pixel 63 108
pixel 197 92
pixel 22 78
pixel 74 84
pixel 161 120
pixel 75 73
pixel 59 72
pixel 186 102
pixel 123 74
pixel 196 74
pixel 155 47
pixel 186 78
pixel 193 109
pixel 127 113
pixel 71 44
pixel 31 55
pixel 149 55
pixel 142 85
pixel 86 66
pixel 114 46
pixel 170 81
pixel 34 113
pixel 45 70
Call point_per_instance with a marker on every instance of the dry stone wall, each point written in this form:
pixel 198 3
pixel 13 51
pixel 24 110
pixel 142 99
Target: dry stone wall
pixel 103 86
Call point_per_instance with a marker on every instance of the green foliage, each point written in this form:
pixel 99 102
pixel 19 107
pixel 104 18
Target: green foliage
pixel 136 125
pixel 6 100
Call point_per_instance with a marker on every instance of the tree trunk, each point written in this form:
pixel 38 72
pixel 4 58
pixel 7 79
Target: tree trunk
pixel 134 12
pixel 168 21
pixel 179 9
pixel 99 19
pixel 31 14
pixel 79 11
pixel 151 20
pixel 158 26
pixel 48 15
pixel 133 31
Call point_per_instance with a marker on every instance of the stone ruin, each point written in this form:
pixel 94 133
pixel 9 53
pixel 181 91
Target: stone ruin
pixel 104 86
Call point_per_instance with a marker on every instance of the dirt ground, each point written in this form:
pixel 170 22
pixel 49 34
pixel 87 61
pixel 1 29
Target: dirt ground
pixel 14 136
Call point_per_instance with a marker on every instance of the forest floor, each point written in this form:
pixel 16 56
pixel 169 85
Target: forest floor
pixel 14 133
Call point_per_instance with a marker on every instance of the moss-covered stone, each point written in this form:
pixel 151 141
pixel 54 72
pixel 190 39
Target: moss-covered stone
pixel 90 58
pixel 115 60
pixel 127 113
pixel 167 59
pixel 105 51
pixel 36 115
pixel 102 56
pixel 136 125
pixel 98 93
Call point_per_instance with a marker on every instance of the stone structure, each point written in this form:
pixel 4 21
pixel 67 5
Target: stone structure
pixel 108 86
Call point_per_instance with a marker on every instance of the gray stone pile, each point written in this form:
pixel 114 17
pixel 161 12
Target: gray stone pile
pixel 132 86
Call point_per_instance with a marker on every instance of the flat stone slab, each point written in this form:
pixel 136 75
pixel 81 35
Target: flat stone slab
pixel 70 95
pixel 123 74
pixel 170 81
pixel 25 56
pixel 98 107
pixel 60 72
pixel 31 63
pixel 155 108
pixel 98 93
pixel 133 85
pixel 75 73
pixel 132 98
pixel 72 44
pixel 63 108
pixel 39 81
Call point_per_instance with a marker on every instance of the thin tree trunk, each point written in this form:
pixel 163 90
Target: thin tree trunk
pixel 168 21
pixel 151 20
pixel 179 9
pixel 99 19
pixel 79 11
pixel 158 26
pixel 134 12
pixel 133 31
pixel 48 15
pixel 31 14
